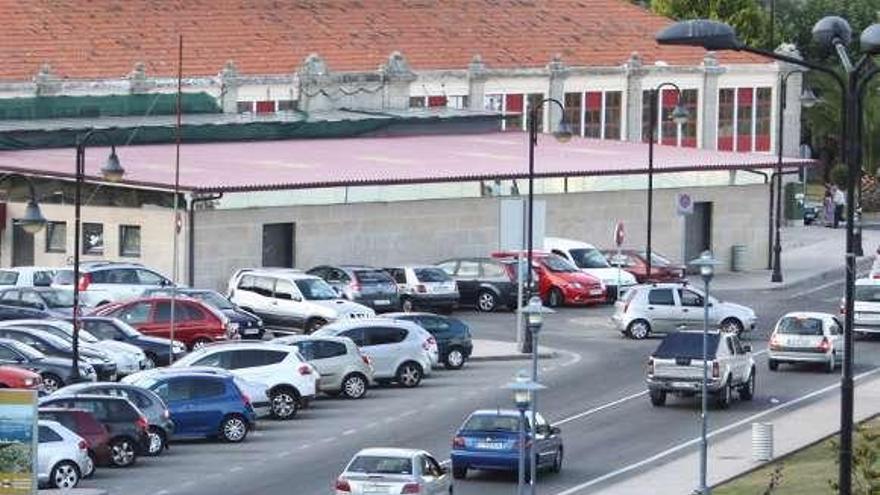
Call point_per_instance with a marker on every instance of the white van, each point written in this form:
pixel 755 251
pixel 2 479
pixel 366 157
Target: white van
pixel 591 261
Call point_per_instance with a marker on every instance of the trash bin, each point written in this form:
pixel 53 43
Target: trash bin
pixel 737 258
pixel 762 441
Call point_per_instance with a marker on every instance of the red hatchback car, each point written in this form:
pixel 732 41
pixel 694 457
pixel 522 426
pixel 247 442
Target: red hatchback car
pixel 560 282
pixel 635 261
pixel 13 377
pixel 197 323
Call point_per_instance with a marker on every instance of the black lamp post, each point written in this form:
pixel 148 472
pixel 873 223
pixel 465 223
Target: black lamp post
pixel 680 117
pixel 832 33
pixel 112 171
pixel 808 99
pixel 33 220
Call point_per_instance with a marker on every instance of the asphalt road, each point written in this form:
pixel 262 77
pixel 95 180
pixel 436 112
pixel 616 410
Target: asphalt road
pixel 596 394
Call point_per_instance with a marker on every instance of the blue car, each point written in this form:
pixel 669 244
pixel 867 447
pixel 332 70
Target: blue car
pixel 489 439
pixel 202 404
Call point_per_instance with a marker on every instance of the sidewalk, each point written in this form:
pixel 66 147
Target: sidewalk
pixel 810 255
pixel 732 455
pixel 497 350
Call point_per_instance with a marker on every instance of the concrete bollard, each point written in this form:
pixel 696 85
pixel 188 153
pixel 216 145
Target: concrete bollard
pixel 737 258
pixel 762 442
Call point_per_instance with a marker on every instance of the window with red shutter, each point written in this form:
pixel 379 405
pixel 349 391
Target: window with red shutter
pixel 763 109
pixel 266 106
pixel 436 101
pixel 745 107
pixel 593 114
pixel 725 119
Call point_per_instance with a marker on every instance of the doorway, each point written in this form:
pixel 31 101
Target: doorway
pixel 279 240
pixel 698 231
pixel 22 246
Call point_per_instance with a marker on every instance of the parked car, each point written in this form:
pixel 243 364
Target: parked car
pixel 399 350
pixel 197 323
pixel 57 302
pixel 51 345
pixel 812 211
pixel 484 283
pixel 670 307
pixel 424 287
pixel 677 367
pixel 372 287
pixel 806 337
pixel 103 282
pixel 559 281
pixel 291 298
pixel 489 439
pixel 15 377
pixel 27 276
pixel 54 372
pixel 62 456
pixel 636 262
pixel 289 381
pixel 202 405
pixel 389 470
pixel 16 310
pixel 453 336
pixel 160 427
pixel 127 426
pixel 866 314
pixel 592 262
pixel 342 367
pixel 128 358
pixel 250 326
pixel 84 424
pixel 158 350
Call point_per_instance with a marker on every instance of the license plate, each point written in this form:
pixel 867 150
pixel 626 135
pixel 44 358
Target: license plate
pixel 490 445
pixel 382 302
pixel 596 292
pixel 251 331
pixel 376 489
pixel 682 384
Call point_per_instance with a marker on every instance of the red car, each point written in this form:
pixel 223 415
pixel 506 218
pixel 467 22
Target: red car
pixel 84 424
pixel 635 261
pixel 197 323
pixel 12 377
pixel 560 282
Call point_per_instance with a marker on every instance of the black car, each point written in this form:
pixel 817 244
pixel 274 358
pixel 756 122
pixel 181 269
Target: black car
pixel 17 310
pixel 365 285
pixel 157 349
pixel 453 336
pixel 57 302
pixel 54 346
pixel 128 427
pixel 55 372
pixel 484 283
pixel 250 326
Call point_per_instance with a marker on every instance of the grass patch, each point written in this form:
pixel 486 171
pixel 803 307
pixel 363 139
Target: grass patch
pixel 805 472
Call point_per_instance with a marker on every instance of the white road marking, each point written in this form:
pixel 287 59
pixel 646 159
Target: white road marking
pixel 235 469
pixel 719 431
pixel 304 446
pixel 162 492
pixel 328 440
pixel 283 454
pixel 371 425
pixel 349 432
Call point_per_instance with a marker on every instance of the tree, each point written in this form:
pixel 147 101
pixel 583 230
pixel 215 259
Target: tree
pixel 750 19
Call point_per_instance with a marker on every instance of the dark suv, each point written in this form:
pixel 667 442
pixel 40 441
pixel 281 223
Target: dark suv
pixel 84 424
pixel 453 336
pixel 484 283
pixel 128 428
pixel 366 285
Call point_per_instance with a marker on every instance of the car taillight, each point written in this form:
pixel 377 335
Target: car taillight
pixel 83 445
pixel 421 288
pixel 626 305
pixel 142 423
pixel 354 287
pixel 84 281
pixel 246 399
pixel 716 369
pixel 366 360
pixel 342 486
pixel 458 443
pixel 305 370
pixel 429 343
pixel 825 345
pixel 411 488
pixel 775 344
pixel 843 307
pixel 650 366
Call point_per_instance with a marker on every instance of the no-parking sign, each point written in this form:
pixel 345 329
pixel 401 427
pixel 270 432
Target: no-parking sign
pixel 619 234
pixel 684 205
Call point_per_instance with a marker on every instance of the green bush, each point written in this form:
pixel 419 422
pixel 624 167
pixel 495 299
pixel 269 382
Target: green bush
pixel 15 458
pixel 838 175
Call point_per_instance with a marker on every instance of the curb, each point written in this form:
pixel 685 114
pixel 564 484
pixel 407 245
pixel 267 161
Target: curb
pixel 862 265
pixel 514 357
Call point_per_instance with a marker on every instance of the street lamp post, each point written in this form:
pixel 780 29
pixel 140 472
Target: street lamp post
pixel 534 314
pixel 680 117
pixel 523 388
pixel 706 264
pixel 33 220
pixel 112 171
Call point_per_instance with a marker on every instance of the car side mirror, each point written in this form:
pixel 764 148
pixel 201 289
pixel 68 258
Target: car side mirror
pixel 554 430
pixel 444 470
pixel 747 348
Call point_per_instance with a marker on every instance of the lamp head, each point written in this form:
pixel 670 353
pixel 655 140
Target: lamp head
pixel 563 132
pixel 112 169
pixel 869 41
pixel 680 114
pixel 706 263
pixel 808 98
pixel 535 314
pixel 33 220
pixel 831 30
pixel 711 35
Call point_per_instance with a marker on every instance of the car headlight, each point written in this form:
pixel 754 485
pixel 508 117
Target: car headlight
pixel 29 382
pixel 259 322
pixel 576 285
pixel 177 347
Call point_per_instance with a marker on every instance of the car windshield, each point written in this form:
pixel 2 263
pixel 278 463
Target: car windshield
pixel 687 345
pixel 656 259
pixel 127 329
pixel 492 422
pixel 868 293
pixel 27 350
pixel 316 289
pixel 8 277
pixel 558 264
pixel 800 326
pixel 431 275
pixel 57 298
pixel 380 465
pixel 63 277
pixel 373 276
pixel 588 258
pixel 213 299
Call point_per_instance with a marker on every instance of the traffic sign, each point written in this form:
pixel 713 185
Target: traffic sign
pixel 684 205
pixel 619 234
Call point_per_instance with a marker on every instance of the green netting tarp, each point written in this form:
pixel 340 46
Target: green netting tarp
pixel 55 107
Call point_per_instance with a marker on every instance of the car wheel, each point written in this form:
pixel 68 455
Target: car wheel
pixel 722 399
pixel 557 461
pixel 638 329
pixel 406 305
pixel 155 441
pixel 658 397
pixel 233 429
pixel 556 298
pixel 487 301
pixel 51 382
pixel 747 391
pixel 354 386
pixel 200 343
pixel 459 472
pixel 732 326
pixel 64 475
pixel 314 324
pixel 284 404
pixel 772 364
pixel 409 375
pixel 454 359
pixel 122 452
pixel 152 360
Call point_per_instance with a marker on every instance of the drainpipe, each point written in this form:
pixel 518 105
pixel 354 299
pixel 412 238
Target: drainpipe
pixel 191 244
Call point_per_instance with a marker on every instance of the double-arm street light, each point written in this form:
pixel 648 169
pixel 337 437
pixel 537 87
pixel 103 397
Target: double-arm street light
pixel 112 171
pixel 680 117
pixel 832 33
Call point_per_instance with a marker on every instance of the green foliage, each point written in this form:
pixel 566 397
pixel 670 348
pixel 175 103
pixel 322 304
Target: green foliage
pixel 15 458
pixel 775 479
pixel 838 175
pixel 865 460
pixel 748 17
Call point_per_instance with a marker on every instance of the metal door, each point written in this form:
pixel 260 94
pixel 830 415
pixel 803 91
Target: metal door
pixel 22 247
pixel 698 230
pixel 279 240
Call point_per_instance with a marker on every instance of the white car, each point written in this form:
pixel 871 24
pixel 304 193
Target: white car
pixel 393 471
pixel 102 282
pixel 866 314
pixel 806 337
pixel 27 276
pixel 290 297
pixel 128 358
pixel 289 381
pixel 592 262
pixel 62 456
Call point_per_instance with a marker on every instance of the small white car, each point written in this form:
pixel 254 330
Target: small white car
pixel 290 297
pixel 425 287
pixel 592 262
pixel 62 456
pixel 27 276
pixel 866 314
pixel 806 337
pixel 343 368
pixel 102 282
pixel 388 470
pixel 289 381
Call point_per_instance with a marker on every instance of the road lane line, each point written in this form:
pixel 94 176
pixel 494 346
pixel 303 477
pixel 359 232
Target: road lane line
pixel 235 469
pixel 349 432
pixel 719 431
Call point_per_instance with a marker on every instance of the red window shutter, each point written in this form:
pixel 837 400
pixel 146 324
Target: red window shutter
pixel 670 98
pixel 265 106
pixel 762 142
pixel 725 143
pixel 514 103
pixel 594 100
pixel 436 101
pixel 744 96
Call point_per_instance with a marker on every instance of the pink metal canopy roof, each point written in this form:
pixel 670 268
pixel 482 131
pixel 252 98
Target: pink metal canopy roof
pixel 300 164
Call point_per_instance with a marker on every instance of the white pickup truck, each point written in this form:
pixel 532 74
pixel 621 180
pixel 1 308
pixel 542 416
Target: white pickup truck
pixel 677 367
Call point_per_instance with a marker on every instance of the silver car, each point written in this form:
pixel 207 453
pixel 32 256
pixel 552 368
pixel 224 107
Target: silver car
pixel 806 337
pixel 671 307
pixel 103 282
pixel 385 470
pixel 343 368
pixel 62 456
